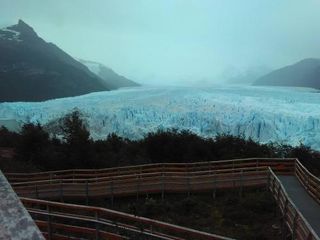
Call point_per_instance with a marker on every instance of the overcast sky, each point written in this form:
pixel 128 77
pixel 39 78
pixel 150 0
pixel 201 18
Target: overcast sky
pixel 174 41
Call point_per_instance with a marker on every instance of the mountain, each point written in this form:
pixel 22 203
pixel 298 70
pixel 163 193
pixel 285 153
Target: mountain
pixel 305 73
pixel 246 76
pixel 282 115
pixel 34 70
pixel 110 79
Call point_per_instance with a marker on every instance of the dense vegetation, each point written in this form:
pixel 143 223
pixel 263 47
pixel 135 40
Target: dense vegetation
pixel 252 216
pixel 35 149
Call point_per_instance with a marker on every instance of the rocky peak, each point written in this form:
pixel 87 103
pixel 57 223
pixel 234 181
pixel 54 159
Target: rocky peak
pixel 24 29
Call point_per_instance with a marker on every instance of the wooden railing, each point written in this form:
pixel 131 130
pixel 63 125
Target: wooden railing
pixel 310 182
pixel 291 216
pixel 277 164
pixel 145 183
pixel 173 177
pixel 153 178
pixel 69 221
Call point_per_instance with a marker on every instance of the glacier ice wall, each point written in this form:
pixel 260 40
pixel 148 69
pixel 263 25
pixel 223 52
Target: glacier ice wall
pixel 283 115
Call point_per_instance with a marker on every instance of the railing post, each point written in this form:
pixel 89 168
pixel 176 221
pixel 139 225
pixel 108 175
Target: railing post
pixel 234 180
pixel 307 182
pixel 268 180
pixel 188 185
pixel 273 185
pixel 111 191
pixel 278 196
pixel 294 227
pixel 87 192
pixel 49 223
pixel 97 224
pixel 36 189
pixel 162 185
pixel 61 191
pixel 284 215
pixel 241 183
pixel 50 176
pixel 284 232
pixel 138 187
pixel 188 178
pixel 214 186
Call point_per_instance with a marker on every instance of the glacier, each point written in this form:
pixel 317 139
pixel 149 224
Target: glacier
pixel 265 114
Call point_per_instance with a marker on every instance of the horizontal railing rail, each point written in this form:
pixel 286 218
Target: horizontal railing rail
pixel 190 174
pixel 310 182
pixel 277 164
pixel 83 221
pixel 138 184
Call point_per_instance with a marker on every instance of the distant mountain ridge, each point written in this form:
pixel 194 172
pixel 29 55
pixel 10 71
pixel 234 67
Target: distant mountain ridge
pixel 109 78
pixel 32 69
pixel 305 73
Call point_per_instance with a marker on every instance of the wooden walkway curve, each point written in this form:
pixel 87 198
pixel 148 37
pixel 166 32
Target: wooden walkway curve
pixel 304 202
pixel 163 178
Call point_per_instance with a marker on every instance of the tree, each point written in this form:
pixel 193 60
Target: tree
pixel 33 143
pixel 77 138
pixel 74 129
pixel 7 138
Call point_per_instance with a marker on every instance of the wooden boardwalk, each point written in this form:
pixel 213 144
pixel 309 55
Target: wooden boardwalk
pixel 295 189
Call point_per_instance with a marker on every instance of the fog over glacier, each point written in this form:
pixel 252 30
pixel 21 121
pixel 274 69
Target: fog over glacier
pixel 282 115
pixel 177 41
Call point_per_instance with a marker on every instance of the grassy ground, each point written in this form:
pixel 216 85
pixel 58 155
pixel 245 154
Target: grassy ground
pixel 250 217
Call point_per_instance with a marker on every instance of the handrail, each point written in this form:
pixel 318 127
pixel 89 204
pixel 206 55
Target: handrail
pixel 65 231
pixel 297 224
pixel 191 174
pixel 160 182
pixel 309 181
pixel 156 165
pixel 177 177
pixel 102 219
pixel 164 178
pixel 184 167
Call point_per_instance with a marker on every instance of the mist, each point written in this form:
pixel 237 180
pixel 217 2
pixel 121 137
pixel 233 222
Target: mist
pixel 177 41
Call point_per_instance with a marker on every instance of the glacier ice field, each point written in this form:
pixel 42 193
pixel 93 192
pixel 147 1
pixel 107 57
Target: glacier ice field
pixel 266 114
